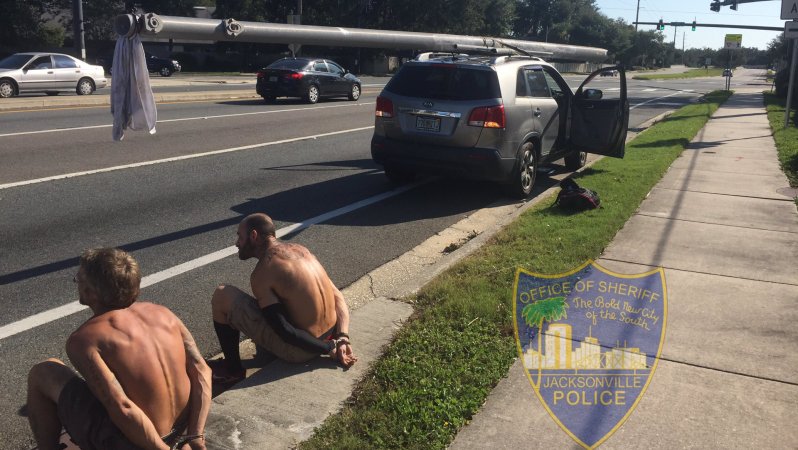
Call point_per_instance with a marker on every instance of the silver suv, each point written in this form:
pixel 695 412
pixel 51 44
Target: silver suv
pixel 492 118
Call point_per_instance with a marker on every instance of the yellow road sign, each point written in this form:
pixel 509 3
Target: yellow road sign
pixel 733 41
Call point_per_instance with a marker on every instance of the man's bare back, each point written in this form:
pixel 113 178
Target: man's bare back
pixel 145 384
pixel 143 348
pixel 295 311
pixel 291 275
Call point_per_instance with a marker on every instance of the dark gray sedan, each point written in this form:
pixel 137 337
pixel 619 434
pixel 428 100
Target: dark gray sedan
pixel 308 78
pixel 51 73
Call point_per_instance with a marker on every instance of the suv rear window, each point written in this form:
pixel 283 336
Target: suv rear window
pixel 445 82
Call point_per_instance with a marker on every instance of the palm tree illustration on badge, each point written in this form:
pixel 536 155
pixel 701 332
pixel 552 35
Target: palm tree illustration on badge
pixel 548 310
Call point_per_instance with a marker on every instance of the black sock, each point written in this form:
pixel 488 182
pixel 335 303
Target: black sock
pixel 228 338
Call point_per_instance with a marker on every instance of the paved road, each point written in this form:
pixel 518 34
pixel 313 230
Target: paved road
pixel 293 161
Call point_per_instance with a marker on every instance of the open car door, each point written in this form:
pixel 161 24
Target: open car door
pixel 599 125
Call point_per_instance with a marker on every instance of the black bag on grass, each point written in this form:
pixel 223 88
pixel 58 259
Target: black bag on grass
pixel 575 198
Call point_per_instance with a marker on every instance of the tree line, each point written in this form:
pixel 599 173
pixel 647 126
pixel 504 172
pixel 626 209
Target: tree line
pixel 38 24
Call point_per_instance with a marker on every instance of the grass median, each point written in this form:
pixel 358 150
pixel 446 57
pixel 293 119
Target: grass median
pixel 459 343
pixel 786 138
pixel 692 73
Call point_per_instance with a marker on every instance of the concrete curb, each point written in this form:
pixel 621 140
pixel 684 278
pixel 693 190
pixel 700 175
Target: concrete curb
pixel 92 101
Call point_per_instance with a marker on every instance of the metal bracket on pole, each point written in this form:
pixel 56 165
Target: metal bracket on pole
pixel 232 27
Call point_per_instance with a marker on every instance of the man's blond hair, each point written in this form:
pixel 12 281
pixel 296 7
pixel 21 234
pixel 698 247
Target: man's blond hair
pixel 113 274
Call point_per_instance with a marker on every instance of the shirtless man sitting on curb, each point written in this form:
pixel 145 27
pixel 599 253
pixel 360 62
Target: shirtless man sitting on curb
pixel 146 384
pixel 297 313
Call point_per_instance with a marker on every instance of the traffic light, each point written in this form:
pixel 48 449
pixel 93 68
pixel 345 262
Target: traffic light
pixel 694 25
pixel 661 25
pixel 715 6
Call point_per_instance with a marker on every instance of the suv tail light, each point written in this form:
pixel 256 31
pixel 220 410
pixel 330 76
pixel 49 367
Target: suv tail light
pixel 261 74
pixel 384 107
pixel 487 117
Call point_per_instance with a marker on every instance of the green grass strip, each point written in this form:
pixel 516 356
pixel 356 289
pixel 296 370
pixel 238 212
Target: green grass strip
pixel 786 139
pixel 692 73
pixel 459 343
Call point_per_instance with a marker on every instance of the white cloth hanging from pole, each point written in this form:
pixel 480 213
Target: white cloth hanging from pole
pixel 132 102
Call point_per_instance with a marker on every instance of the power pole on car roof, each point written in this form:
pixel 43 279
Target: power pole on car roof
pixel 231 30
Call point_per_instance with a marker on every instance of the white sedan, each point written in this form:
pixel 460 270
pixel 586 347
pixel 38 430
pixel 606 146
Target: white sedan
pixel 50 73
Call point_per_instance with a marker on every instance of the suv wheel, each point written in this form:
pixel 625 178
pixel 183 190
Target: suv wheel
pixel 354 94
pixel 575 161
pixel 312 95
pixel 522 179
pixel 165 72
pixel 399 176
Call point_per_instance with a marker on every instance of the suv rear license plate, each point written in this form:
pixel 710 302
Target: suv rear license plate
pixel 428 124
pixel 272 78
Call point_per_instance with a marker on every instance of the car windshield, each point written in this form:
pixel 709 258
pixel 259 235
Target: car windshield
pixel 14 61
pixel 291 64
pixel 445 82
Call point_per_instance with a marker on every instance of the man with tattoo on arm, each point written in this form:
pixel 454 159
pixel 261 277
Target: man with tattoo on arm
pixel 296 313
pixel 146 383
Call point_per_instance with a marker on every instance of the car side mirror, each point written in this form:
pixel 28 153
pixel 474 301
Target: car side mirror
pixel 593 94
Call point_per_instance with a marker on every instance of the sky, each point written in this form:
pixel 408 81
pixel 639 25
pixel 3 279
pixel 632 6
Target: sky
pixel 762 13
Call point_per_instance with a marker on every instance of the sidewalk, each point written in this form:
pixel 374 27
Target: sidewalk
pixel 728 241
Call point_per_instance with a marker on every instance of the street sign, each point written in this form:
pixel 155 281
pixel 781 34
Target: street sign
pixel 791 30
pixel 789 9
pixel 734 41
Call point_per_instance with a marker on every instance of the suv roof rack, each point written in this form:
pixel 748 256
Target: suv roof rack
pixel 426 56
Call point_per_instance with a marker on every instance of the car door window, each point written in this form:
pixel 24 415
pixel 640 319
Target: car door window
pixel 335 69
pixel 320 66
pixel 557 87
pixel 63 62
pixel 41 63
pixel 536 83
pixel 521 89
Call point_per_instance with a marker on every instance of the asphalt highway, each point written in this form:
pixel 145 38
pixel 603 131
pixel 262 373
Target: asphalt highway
pixel 175 198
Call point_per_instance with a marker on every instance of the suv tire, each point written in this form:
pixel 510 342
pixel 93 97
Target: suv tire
pixel 522 178
pixel 575 161
pixel 165 72
pixel 398 176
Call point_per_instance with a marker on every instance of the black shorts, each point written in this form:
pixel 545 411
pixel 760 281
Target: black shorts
pixel 87 422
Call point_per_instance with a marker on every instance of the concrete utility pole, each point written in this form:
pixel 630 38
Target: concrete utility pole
pixel 77 26
pixel 637 15
pixel 230 30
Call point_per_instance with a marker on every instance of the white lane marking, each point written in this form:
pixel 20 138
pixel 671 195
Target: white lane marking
pixel 60 312
pixel 178 158
pixel 183 119
pixel 647 101
pixel 649 90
